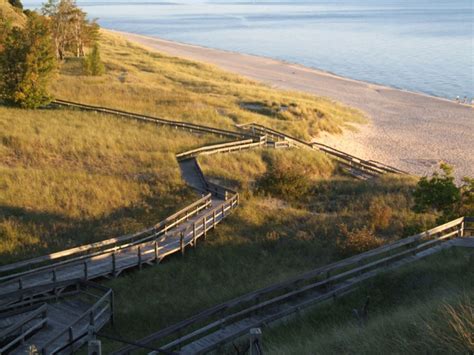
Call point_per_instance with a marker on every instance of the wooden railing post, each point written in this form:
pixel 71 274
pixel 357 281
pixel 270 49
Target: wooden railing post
pixel 114 264
pixel 55 278
pixel 139 257
pixel 461 229
pixel 156 249
pixel 194 235
pixel 214 219
pixel 181 243
pixel 204 229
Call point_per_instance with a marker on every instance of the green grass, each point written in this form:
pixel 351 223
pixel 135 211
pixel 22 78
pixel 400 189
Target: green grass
pixel 424 308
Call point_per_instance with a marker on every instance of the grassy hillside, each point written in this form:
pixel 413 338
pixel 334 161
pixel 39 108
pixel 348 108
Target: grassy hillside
pixel 148 82
pixel 8 12
pixel 424 308
pixel 70 177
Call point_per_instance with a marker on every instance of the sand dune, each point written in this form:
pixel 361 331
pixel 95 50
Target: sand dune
pixel 411 131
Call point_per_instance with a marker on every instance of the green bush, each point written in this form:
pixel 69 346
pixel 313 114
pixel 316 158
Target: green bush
pixel 440 193
pixel 93 64
pixel 286 183
pixel 26 64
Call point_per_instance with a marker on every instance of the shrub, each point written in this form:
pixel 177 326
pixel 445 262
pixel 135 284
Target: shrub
pixel 380 214
pixel 286 183
pixel 27 62
pixel 441 194
pixel 352 242
pixel 92 63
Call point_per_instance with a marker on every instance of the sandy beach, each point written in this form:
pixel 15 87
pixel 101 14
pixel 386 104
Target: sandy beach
pixel 411 131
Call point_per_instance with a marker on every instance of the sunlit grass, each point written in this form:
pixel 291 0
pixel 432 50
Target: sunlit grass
pixel 426 307
pixel 141 81
pixel 71 177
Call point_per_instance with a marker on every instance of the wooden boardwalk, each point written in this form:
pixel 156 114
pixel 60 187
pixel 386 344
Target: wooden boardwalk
pixel 36 304
pixel 224 323
pixel 59 322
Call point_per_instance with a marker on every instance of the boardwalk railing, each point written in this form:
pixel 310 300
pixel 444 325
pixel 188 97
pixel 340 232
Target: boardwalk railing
pixel 92 320
pixel 26 301
pixel 222 148
pixel 95 249
pixel 368 166
pixel 19 331
pixel 113 261
pixel 166 122
pixel 317 285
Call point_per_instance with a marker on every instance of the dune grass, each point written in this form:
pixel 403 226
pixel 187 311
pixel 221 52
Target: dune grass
pixel 424 308
pixel 71 177
pixel 264 241
pixel 142 81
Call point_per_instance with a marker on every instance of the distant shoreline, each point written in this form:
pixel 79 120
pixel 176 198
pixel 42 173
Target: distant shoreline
pixel 410 130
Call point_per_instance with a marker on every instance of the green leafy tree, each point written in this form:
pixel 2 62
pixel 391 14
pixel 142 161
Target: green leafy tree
pixel 440 193
pixel 27 63
pixel 92 63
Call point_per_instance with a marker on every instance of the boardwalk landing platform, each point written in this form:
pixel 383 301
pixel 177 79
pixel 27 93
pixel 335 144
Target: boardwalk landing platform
pixel 58 322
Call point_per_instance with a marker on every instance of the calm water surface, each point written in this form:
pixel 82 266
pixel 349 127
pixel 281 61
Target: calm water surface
pixel 417 45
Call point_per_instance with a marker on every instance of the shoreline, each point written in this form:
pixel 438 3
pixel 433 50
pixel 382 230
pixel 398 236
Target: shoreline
pixel 410 130
pixel 295 64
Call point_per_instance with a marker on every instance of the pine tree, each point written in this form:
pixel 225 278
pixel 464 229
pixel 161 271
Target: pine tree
pixel 26 64
pixel 92 63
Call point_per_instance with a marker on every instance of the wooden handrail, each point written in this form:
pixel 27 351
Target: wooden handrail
pixel 154 231
pixel 38 311
pixel 331 268
pixel 220 148
pixel 180 124
pixel 88 313
pixel 370 165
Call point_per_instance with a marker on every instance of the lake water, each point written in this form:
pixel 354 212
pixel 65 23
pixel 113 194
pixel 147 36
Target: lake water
pixel 417 45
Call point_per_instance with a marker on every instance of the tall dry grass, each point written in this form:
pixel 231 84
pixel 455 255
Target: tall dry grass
pixel 71 177
pixel 142 81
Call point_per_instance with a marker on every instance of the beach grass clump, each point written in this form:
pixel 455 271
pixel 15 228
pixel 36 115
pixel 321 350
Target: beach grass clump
pixel 69 177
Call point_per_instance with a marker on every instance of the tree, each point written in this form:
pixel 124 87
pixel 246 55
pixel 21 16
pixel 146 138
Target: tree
pixel 93 64
pixel 27 63
pixel 440 193
pixel 71 30
pixel 16 3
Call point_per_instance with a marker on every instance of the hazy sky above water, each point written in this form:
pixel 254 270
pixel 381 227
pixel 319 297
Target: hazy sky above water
pixel 418 45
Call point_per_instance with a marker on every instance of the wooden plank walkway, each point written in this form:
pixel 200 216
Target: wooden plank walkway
pixel 212 328
pixel 65 321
